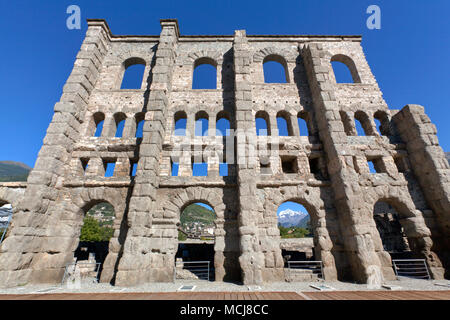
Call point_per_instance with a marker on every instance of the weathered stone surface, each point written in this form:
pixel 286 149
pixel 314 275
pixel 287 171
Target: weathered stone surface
pixel 325 169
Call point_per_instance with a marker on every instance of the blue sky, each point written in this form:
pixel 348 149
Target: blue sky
pixel 294 206
pixel 408 56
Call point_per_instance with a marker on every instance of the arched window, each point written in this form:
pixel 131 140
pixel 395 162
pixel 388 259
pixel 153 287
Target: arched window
pixel 99 119
pixel 180 119
pixel 284 124
pixel 275 69
pixel 222 124
pixel 303 119
pixel 362 124
pixel 205 74
pixel 119 119
pixel 344 69
pixel 133 74
pixel 139 120
pixel 382 122
pixel 201 123
pixel 262 123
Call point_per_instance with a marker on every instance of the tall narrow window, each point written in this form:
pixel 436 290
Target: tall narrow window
pixel 180 120
pixel 98 121
pixel 382 122
pixel 363 124
pixel 262 124
pixel 84 164
pixel 205 74
pixel 275 69
pixel 139 125
pixel 302 119
pixel 284 124
pixel 223 169
pixel 174 166
pixel 201 124
pixel 222 124
pixel 134 74
pixel 119 119
pixel 134 165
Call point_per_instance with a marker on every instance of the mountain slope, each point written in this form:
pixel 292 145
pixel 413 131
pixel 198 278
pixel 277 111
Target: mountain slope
pixel 13 171
pixel 290 218
pixel 197 213
pixel 447 155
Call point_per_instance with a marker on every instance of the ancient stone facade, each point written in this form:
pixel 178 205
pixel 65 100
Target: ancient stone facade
pixel 330 174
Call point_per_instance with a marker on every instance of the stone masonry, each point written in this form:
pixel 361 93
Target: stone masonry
pixel 329 173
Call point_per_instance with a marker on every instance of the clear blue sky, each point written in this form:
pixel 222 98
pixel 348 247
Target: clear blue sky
pixel 409 55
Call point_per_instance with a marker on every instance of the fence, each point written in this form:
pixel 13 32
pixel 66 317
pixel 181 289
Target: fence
pixel 307 270
pixel 5 219
pixel 192 270
pixel 411 268
pixel 81 269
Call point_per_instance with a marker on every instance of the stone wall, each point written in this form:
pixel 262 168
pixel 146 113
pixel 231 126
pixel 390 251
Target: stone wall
pixel 329 173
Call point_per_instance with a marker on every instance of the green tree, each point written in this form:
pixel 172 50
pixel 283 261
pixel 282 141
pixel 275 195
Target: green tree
pixel 181 236
pixel 293 232
pixel 93 232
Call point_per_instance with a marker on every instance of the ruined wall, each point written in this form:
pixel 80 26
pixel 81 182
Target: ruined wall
pixel 329 173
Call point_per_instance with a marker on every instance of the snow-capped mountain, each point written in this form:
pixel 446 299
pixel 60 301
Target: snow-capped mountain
pixel 291 218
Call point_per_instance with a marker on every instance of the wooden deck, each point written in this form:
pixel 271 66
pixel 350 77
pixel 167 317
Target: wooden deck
pixel 331 295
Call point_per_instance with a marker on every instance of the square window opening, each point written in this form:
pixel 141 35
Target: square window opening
pixel 289 164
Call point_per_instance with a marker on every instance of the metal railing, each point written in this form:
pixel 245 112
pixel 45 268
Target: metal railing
pixel 305 268
pixel 201 269
pixel 4 217
pixel 411 268
pixel 74 267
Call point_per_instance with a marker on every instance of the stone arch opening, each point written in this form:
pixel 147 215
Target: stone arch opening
pixel 205 74
pixel 382 123
pixel 119 120
pixel 180 122
pixel 98 120
pixel 262 123
pixel 133 73
pixel 303 123
pixel 284 124
pixel 223 124
pixel 275 69
pixel 363 124
pixel 392 233
pixel 196 241
pixel 201 123
pixel 344 69
pixel 296 232
pixel 96 232
pixel 139 123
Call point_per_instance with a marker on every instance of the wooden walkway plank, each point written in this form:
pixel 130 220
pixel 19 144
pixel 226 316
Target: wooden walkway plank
pixel 328 295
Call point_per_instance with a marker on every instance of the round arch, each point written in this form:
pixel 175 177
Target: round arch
pixel 349 63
